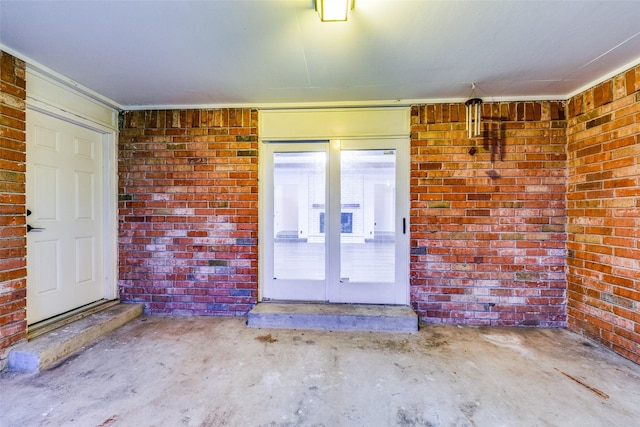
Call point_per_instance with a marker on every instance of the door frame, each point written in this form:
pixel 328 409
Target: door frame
pixel 56 99
pixel 324 124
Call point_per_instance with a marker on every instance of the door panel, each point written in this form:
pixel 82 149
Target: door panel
pixel 64 195
pixel 299 182
pixel 296 269
pixel 374 190
pixel 46 260
pixel 365 256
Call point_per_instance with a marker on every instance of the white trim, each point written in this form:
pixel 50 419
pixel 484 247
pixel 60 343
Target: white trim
pixel 276 105
pixel 44 90
pixel 262 219
pixel 54 111
pixel 341 104
pixel 110 215
pixel 66 81
pixel 604 78
pixel 334 123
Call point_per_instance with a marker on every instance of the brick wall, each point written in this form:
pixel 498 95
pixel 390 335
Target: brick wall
pixel 488 227
pixel 13 326
pixel 604 213
pixel 188 213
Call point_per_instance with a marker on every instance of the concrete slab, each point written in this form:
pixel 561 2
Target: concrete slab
pixel 49 325
pixel 334 317
pixel 159 371
pixel 57 344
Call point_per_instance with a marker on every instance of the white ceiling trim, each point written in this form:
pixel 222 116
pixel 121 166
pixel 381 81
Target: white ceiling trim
pixel 62 79
pixel 304 105
pixel 343 104
pixel 604 78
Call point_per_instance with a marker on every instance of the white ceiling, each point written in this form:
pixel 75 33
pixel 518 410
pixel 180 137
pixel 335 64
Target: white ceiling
pixel 259 52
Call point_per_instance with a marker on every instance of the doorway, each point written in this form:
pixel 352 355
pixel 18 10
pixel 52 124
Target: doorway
pixel 66 208
pixel 335 223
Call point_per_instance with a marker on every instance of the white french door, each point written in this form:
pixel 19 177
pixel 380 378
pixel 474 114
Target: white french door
pixel 335 221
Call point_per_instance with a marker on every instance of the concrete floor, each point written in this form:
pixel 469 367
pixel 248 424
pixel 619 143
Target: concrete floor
pixel 159 371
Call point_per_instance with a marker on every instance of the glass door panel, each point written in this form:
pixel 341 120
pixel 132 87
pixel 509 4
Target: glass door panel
pixel 299 196
pixel 368 216
pixel 293 245
pixel 371 257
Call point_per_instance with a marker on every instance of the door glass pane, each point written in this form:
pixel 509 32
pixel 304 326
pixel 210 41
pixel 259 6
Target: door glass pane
pixel 299 181
pixel 367 219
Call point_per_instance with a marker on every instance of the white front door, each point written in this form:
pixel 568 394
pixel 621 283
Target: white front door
pixel 65 216
pixel 335 226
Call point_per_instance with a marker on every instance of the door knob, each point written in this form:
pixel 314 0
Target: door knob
pixel 30 228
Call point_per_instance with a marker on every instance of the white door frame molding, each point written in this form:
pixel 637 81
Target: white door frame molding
pixel 55 99
pixel 334 123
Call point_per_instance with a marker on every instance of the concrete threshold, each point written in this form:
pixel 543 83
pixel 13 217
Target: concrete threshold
pixel 335 317
pixel 57 344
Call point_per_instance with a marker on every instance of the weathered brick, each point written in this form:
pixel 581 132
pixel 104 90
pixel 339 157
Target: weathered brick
pixel 599 121
pixel 603 93
pixel 13 327
pixel 630 81
pixel 202 208
pixel 473 207
pixel 603 271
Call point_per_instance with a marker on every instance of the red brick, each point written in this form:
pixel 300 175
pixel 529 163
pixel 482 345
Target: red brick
pixel 13 326
pixel 603 93
pixel 604 289
pixel 630 81
pixel 477 218
pixel 211 156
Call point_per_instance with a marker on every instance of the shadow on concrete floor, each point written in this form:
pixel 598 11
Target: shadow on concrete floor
pixel 163 371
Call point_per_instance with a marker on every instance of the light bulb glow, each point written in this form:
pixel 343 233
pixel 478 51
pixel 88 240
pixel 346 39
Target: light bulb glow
pixel 333 10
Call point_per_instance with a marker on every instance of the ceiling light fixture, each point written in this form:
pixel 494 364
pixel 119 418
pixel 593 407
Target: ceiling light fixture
pixel 334 10
pixel 474 114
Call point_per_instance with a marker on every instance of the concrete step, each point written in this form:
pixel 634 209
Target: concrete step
pixel 335 317
pixel 52 347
